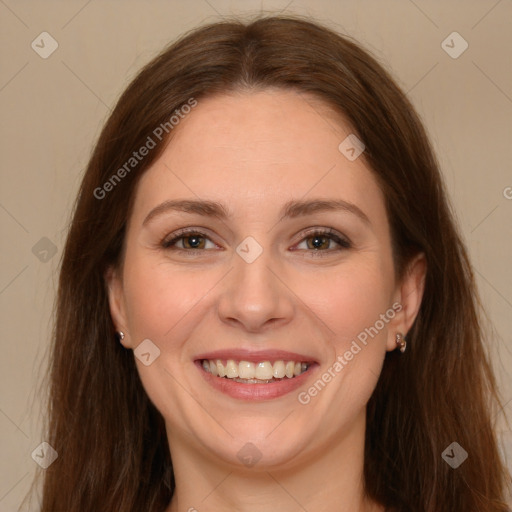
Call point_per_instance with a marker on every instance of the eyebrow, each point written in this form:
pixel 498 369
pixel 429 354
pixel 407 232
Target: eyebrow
pixel 291 209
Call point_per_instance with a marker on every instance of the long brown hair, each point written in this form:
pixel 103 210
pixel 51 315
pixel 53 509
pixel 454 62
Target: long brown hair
pixel 111 440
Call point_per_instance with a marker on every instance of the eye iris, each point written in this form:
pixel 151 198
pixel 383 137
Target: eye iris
pixel 318 241
pixel 193 241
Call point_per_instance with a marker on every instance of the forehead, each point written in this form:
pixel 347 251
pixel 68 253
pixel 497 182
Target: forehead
pixel 254 150
pixel 254 126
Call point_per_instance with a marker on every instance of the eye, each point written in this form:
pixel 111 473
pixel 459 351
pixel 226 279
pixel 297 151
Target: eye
pixel 321 241
pixel 318 241
pixel 189 240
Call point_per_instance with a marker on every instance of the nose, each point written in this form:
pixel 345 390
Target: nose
pixel 255 296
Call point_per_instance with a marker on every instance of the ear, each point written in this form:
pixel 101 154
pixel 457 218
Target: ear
pixel 116 303
pixel 407 297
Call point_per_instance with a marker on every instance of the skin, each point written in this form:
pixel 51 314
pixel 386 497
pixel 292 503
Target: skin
pixel 253 152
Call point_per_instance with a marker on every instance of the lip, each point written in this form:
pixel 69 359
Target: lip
pixel 256 392
pixel 255 356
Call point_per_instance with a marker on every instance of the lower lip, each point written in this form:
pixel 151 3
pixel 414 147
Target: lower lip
pixel 256 392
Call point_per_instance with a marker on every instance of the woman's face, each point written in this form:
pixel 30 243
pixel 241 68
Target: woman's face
pixel 267 274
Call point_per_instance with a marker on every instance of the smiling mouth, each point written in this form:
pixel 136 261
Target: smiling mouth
pixel 247 372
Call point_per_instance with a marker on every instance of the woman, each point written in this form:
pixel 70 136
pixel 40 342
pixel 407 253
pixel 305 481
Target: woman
pixel 263 282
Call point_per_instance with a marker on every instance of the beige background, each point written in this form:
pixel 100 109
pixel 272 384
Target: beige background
pixel 52 111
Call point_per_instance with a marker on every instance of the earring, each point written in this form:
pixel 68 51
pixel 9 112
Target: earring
pixel 120 335
pixel 400 341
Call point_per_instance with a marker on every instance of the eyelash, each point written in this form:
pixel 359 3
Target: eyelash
pixel 329 233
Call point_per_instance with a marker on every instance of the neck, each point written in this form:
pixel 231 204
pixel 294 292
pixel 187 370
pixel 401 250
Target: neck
pixel 329 480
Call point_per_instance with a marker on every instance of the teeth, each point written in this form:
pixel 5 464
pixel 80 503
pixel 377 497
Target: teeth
pixel 231 369
pixel 279 369
pixel 264 371
pixel 246 370
pixel 250 373
pixel 220 369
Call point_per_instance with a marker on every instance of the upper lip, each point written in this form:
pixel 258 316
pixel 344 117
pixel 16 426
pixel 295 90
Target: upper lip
pixel 255 356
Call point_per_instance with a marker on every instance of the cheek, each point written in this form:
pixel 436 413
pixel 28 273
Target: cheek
pixel 351 301
pixel 163 305
pixel 161 301
pixel 348 299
